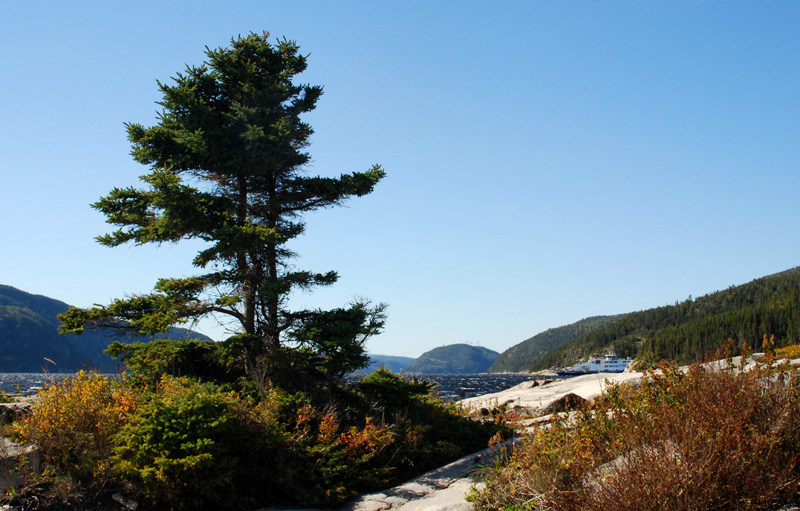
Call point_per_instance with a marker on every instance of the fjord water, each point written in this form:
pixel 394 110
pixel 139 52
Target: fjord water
pixel 450 387
pixel 26 384
pixel 453 387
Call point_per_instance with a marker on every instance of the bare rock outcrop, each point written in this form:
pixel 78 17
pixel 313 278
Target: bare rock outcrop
pixel 566 403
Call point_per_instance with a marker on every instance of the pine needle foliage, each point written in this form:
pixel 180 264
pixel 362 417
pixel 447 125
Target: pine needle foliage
pixel 228 167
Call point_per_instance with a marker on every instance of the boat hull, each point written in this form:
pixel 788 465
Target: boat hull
pixel 580 373
pixel 610 363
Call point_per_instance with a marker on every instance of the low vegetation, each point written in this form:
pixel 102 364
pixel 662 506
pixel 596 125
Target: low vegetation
pixel 788 352
pixel 699 439
pixel 182 443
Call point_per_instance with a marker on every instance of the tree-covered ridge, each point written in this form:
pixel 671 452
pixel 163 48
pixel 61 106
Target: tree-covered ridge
pixel 453 359
pixel 520 357
pixel 29 340
pixel 688 330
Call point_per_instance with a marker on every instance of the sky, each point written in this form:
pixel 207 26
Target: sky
pixel 546 161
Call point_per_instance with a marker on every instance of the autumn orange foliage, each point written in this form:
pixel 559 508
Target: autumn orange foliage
pixel 698 439
pixel 76 420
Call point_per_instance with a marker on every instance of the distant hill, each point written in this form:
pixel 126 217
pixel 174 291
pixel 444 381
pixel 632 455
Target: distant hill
pixel 520 357
pixel 29 340
pixel 391 362
pixel 687 331
pixel 453 359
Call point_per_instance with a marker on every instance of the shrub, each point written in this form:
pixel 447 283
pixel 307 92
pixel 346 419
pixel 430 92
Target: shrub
pixel 185 444
pixel 75 421
pixel 384 430
pixel 790 352
pixel 191 445
pixel 392 390
pixel 346 441
pixel 699 440
pixel 342 462
pixel 149 361
pixel 429 433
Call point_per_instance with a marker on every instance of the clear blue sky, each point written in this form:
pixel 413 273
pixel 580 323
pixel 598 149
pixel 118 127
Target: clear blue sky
pixel 547 160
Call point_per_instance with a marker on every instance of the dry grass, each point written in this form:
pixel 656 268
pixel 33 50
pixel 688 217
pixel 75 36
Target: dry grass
pixel 701 440
pixel 790 352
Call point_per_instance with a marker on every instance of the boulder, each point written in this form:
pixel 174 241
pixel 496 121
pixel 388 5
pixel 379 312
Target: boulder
pixel 565 403
pixel 125 501
pixel 9 412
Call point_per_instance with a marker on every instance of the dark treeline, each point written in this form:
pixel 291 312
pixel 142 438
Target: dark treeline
pixel 687 331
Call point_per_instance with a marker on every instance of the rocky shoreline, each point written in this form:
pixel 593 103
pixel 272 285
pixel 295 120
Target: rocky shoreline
pixel 535 396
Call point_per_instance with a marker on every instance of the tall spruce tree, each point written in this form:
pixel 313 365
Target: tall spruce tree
pixel 227 160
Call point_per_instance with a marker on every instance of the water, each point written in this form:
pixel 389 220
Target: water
pixel 450 387
pixel 25 384
pixel 453 387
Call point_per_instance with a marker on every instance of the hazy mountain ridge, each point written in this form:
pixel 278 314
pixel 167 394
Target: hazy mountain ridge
pixel 29 340
pixel 391 362
pixel 683 332
pixel 453 359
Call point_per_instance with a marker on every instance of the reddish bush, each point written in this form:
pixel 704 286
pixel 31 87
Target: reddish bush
pixel 695 440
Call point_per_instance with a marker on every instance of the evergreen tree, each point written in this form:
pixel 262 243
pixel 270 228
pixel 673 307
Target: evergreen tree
pixel 227 166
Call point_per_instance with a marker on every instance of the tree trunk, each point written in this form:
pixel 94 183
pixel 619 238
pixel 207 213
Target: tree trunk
pixel 248 286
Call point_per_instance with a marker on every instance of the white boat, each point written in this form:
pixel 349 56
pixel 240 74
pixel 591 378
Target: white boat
pixel 610 363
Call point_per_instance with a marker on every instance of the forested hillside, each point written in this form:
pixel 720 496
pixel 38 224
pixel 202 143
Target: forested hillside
pixel 687 331
pixel 29 340
pixel 520 357
pixel 453 359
